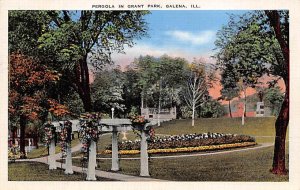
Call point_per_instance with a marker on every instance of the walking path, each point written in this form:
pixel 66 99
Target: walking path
pixel 99 173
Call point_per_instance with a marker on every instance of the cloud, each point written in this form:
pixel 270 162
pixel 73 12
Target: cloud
pixel 199 38
pixel 147 49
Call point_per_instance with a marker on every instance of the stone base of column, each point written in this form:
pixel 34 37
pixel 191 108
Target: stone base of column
pixel 69 172
pixel 144 174
pixel 52 163
pixel 52 167
pixel 91 178
pixel 115 169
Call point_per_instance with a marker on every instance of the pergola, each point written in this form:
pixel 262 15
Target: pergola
pixel 113 126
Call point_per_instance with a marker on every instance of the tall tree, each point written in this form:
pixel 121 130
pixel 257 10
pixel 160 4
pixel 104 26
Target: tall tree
pixel 24 29
pixel 279 21
pixel 28 98
pixel 256 43
pixel 230 90
pixel 200 80
pixel 77 39
pixel 160 79
pixel 107 91
pixel 132 90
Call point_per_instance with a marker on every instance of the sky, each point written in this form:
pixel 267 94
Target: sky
pixel 184 33
pixel 187 34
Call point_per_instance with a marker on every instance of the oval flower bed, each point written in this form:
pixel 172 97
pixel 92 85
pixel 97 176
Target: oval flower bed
pixel 187 143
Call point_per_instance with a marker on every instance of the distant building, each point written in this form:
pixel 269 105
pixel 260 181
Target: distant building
pixel 252 110
pixel 260 109
pixel 165 114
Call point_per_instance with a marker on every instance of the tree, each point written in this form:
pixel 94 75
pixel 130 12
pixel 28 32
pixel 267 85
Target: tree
pixel 77 39
pixel 27 95
pixel 211 108
pixel 230 90
pixel 132 91
pixel 274 97
pixel 24 29
pixel 257 43
pixel 107 91
pixel 279 21
pixel 160 80
pixel 197 85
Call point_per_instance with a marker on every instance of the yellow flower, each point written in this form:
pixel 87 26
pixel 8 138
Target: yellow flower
pixel 186 149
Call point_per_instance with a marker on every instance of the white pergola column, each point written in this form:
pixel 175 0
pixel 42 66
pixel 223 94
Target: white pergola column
pixel 144 155
pixel 69 169
pixel 91 176
pixel 114 154
pixel 51 157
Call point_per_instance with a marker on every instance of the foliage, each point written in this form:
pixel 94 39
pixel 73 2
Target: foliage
pixel 49 133
pixel 77 38
pixel 185 112
pixel 24 28
pixel 65 136
pixel 107 91
pixel 27 85
pixel 211 109
pixel 28 97
pixel 88 130
pixel 200 80
pixel 160 79
pixel 131 91
pixel 255 44
pixel 138 120
pixel 187 140
pixel 274 98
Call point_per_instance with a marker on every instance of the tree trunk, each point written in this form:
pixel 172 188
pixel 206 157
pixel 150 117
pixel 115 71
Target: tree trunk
pixel 229 107
pixel 281 125
pixel 14 133
pixel 245 106
pixel 22 135
pixel 282 120
pixel 142 100
pixel 193 115
pixel 83 84
pixel 35 141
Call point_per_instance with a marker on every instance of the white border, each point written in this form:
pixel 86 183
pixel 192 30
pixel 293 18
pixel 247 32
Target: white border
pixel 294 174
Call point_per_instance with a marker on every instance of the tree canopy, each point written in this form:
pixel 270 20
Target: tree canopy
pixel 257 44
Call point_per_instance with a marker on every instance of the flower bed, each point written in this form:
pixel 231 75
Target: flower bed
pixel 187 149
pixel 186 143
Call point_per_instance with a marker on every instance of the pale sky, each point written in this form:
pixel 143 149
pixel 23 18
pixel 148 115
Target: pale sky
pixel 185 33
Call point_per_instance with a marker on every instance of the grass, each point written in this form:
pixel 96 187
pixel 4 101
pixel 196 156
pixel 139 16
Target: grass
pixel 261 127
pixel 34 171
pixel 251 165
pixel 43 150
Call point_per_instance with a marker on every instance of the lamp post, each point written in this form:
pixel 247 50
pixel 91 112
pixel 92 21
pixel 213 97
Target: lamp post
pixel 112 112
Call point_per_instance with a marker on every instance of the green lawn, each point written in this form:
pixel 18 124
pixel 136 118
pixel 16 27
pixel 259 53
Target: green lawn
pixel 34 171
pixel 251 165
pixel 263 128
